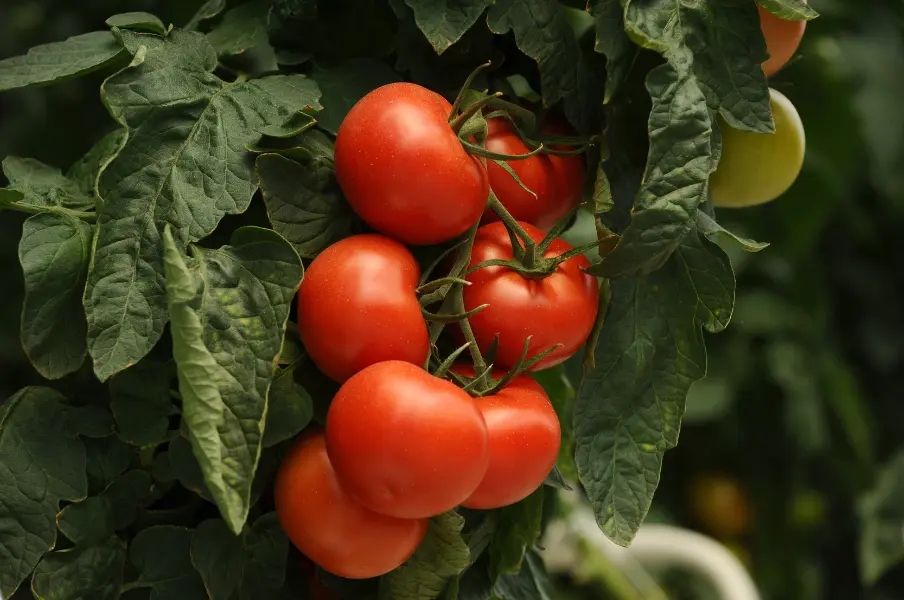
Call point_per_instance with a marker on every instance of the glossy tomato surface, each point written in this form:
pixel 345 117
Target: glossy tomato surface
pixel 357 306
pixel 557 181
pixel 329 526
pixel 524 435
pixel 782 39
pixel 559 309
pixel 403 169
pixel 405 443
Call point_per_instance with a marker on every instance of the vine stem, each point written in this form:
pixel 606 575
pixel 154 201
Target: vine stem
pixel 530 254
pixel 38 210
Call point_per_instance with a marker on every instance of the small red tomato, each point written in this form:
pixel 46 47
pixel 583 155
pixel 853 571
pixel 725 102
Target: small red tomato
pixel 782 39
pixel 568 178
pixel 404 170
pixel 357 306
pixel 559 309
pixel 405 443
pixel 524 435
pixel 330 527
pixel 535 173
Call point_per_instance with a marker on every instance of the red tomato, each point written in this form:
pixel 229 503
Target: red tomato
pixel 782 39
pixel 558 309
pixel 357 306
pixel 405 443
pixel 403 169
pixel 558 181
pixel 330 527
pixel 524 435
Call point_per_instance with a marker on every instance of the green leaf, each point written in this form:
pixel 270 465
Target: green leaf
pixel 441 556
pixel 289 408
pixel 60 61
pixel 715 232
pixel 629 406
pixel 162 555
pixel 229 314
pixel 531 583
pixel 675 180
pixel 54 252
pixel 343 85
pixel 561 393
pixel 87 170
pixel 542 32
pixel 882 516
pixel 98 517
pixel 43 185
pixel 42 463
pixel 242 28
pixel 443 22
pixel 93 572
pixel 612 41
pixel 184 164
pixel 141 402
pixel 107 458
pixel 792 10
pixel 304 203
pixel 184 467
pixel 137 20
pixel 245 567
pixel 208 10
pixel 518 530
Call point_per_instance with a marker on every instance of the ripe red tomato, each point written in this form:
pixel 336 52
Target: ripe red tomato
pixel 782 39
pixel 357 306
pixel 558 181
pixel 524 435
pixel 330 527
pixel 405 443
pixel 403 169
pixel 558 309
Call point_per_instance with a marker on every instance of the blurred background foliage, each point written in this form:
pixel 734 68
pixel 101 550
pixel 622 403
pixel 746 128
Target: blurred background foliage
pixel 789 452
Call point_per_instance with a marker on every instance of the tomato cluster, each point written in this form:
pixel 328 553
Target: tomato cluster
pixel 401 444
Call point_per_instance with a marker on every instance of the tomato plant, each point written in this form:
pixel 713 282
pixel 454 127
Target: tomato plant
pixel 259 313
pixel 357 306
pixel 406 443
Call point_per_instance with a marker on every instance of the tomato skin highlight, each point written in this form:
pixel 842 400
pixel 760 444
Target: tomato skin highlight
pixel 559 309
pixel 782 40
pixel 357 306
pixel 403 169
pixel 329 526
pixel 524 435
pixel 405 443
pixel 557 181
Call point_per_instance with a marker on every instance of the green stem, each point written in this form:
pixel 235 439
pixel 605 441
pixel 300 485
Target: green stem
pixel 530 247
pixel 38 210
pixel 458 122
pixel 464 88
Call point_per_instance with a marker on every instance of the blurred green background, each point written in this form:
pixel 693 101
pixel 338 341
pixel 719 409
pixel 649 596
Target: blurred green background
pixel 789 445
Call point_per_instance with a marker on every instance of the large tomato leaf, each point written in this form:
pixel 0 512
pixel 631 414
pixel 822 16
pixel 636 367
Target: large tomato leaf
pixel 206 11
pixel 162 555
pixel 290 408
pixel 41 185
pixel 59 61
pixel 42 463
pixel 630 404
pixel 185 164
pixel 141 402
pixel 143 21
pixel 443 22
pixel 613 42
pixel 304 202
pixel 882 516
pixel 518 530
pixel 86 171
pixel 54 252
pixel 441 556
pixel 792 10
pixel 96 518
pixel 92 571
pixel 242 28
pixel 245 567
pixel 543 33
pixel 343 85
pixel 530 583
pixel 229 314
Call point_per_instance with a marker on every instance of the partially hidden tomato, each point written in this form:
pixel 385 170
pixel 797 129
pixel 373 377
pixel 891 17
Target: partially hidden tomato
pixel 720 505
pixel 524 435
pixel 782 39
pixel 558 309
pixel 405 443
pixel 556 181
pixel 404 170
pixel 329 526
pixel 357 306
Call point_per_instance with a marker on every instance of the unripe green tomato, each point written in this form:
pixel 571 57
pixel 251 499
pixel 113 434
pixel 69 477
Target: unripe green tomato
pixel 759 167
